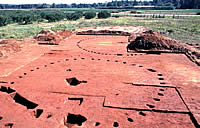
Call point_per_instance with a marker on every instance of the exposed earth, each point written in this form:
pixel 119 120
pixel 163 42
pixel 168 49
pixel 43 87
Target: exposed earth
pixel 90 80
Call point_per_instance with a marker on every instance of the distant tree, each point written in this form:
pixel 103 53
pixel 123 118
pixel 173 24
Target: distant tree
pixel 2 6
pixel 3 21
pixel 90 15
pixel 53 5
pixel 24 19
pixel 74 16
pixel 135 3
pixel 50 17
pixel 103 14
pixel 73 5
pixel 53 17
pixel 27 19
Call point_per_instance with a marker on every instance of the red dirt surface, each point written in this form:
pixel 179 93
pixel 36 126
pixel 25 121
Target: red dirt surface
pixel 91 81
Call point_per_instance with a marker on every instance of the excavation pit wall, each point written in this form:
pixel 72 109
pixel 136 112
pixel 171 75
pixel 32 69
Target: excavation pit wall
pixel 48 37
pixel 160 44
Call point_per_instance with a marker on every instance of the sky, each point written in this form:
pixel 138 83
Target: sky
pixel 50 1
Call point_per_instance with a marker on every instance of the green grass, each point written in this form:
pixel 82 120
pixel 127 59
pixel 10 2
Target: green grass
pixel 173 11
pixel 186 29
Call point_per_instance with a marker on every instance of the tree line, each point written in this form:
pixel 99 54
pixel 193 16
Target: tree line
pixel 28 17
pixel 181 4
pixel 113 4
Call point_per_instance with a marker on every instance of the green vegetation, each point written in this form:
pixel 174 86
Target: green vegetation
pixel 115 4
pixel 74 16
pixel 103 14
pixel 3 21
pixel 186 29
pixel 90 15
pixel 23 17
pixel 173 11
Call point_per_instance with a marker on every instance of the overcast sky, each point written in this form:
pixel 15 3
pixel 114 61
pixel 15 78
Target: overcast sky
pixel 50 1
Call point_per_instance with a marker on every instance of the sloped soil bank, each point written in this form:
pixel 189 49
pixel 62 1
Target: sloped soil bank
pixel 151 42
pixel 51 37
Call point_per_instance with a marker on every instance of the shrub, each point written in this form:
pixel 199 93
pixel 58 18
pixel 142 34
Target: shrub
pixel 53 17
pixel 103 14
pixel 4 21
pixel 27 19
pixel 74 16
pixel 90 15
pixel 50 17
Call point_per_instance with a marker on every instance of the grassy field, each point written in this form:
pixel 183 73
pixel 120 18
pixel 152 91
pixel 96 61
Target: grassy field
pixel 185 29
pixel 173 11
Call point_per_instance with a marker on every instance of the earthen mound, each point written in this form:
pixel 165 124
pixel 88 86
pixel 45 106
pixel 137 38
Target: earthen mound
pixel 150 42
pixel 8 47
pixel 51 37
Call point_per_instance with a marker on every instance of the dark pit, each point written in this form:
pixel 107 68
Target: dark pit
pixel 38 113
pixel 79 99
pixel 25 102
pixel 76 119
pixel 130 120
pixel 97 124
pixel 9 125
pixel 115 124
pixel 73 81
pixel 160 94
pixel 156 99
pixel 161 89
pixel 7 89
pixel 151 70
pixel 150 106
pixel 142 113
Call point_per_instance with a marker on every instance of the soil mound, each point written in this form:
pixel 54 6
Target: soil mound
pixel 51 37
pixel 151 42
pixel 8 47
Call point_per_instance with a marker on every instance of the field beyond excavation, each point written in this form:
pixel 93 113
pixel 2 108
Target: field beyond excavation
pixel 90 80
pixel 185 29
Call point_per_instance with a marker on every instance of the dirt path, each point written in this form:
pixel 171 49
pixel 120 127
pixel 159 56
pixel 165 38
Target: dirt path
pixel 91 81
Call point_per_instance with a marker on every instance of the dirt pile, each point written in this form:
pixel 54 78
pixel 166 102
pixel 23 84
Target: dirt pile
pixel 122 31
pixel 8 47
pixel 148 42
pixel 51 37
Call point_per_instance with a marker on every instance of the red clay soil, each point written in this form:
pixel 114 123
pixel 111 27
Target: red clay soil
pixel 91 81
pixel 153 42
pixel 50 37
pixel 8 47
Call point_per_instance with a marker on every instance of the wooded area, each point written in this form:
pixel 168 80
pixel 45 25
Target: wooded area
pixel 126 4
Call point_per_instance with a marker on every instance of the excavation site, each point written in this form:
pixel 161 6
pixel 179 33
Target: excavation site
pixel 100 77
